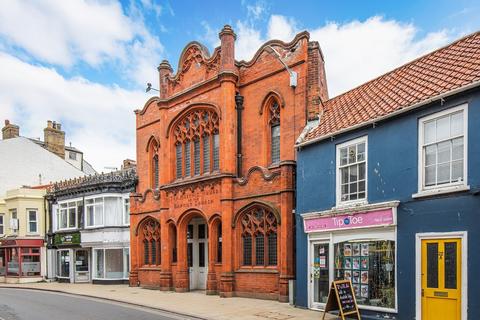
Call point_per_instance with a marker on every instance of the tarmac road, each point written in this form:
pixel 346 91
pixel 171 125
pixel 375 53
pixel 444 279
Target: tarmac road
pixel 24 304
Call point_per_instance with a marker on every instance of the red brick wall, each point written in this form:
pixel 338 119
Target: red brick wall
pixel 211 82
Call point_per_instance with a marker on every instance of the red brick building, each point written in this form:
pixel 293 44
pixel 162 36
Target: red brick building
pixel 216 165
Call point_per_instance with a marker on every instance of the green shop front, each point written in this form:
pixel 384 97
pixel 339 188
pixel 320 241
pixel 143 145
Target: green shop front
pixel 72 262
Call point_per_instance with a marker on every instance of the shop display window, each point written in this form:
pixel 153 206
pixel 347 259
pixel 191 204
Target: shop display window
pixel 30 261
pixel 111 263
pixel 3 261
pixel 13 264
pixel 370 265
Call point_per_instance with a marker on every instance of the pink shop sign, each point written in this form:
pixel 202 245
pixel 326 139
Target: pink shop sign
pixel 376 218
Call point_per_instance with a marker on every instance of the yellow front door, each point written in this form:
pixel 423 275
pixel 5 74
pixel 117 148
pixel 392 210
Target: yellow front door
pixel 441 279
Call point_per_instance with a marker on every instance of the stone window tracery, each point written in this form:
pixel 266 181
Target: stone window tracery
pixel 151 242
pixel 259 237
pixel 197 143
pixel 274 122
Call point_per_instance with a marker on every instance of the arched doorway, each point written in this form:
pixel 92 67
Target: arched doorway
pixel 197 253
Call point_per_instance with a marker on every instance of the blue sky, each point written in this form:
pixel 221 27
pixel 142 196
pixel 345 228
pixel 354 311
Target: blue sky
pixel 85 63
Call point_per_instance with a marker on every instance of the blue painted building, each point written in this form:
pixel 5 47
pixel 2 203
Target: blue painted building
pixel 388 191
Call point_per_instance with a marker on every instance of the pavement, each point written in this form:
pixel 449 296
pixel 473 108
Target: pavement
pixel 194 304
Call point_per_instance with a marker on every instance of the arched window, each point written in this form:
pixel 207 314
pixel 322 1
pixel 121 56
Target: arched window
pixel 197 144
pixel 155 171
pixel 274 122
pixel 219 242
pixel 152 149
pixel 259 237
pixel 151 242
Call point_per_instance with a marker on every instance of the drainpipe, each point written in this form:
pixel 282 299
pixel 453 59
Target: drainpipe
pixel 239 107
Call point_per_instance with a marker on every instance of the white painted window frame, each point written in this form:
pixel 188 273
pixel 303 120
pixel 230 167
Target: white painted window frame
pixel 94 263
pixel 93 205
pixel 74 200
pixel 447 187
pixel 125 215
pixel 378 233
pixel 36 221
pixel 339 202
pixel 463 235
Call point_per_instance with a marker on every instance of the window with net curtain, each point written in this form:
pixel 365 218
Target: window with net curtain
pixel 197 143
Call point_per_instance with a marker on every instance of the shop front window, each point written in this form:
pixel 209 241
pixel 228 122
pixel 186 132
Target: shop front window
pixel 63 260
pixel 99 263
pixel 3 261
pixel 370 265
pixel 111 263
pixel 30 262
pixel 13 264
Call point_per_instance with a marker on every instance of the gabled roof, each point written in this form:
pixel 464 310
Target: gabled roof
pixel 23 162
pixel 442 71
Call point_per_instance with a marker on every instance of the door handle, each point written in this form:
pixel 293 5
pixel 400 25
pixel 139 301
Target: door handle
pixel 423 292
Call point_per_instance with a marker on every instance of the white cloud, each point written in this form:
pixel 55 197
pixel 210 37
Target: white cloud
pixel 248 41
pixel 97 119
pixel 256 10
pixel 65 33
pixel 354 52
pixel 281 28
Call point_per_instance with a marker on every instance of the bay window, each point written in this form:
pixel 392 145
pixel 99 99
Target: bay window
pixel 443 149
pixel 126 211
pixel 67 215
pixel 94 212
pixel 352 171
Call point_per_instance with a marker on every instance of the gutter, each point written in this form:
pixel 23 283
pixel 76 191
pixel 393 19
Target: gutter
pixel 391 115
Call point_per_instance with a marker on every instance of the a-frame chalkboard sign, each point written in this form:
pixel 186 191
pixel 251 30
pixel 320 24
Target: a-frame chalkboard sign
pixel 342 298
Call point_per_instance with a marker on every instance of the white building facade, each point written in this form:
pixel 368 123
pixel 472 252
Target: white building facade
pixel 90 230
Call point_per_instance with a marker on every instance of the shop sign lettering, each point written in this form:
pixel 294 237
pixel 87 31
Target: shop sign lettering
pixel 350 221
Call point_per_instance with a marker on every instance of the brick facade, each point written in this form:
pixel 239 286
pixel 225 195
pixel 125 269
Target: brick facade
pixel 197 105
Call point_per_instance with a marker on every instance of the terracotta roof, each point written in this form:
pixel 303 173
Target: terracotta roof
pixel 438 72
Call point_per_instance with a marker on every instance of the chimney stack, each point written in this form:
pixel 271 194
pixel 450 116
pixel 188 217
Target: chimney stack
pixel 54 138
pixel 10 130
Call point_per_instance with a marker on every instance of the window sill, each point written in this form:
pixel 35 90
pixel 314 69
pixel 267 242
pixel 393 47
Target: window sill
pixel 440 191
pixel 257 270
pixel 350 204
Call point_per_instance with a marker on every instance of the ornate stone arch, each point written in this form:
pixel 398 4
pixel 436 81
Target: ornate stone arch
pixel 262 204
pixel 269 98
pixel 153 142
pixel 192 108
pixel 142 222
